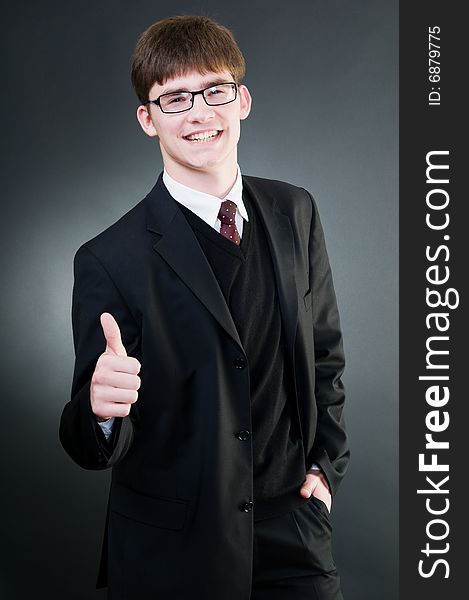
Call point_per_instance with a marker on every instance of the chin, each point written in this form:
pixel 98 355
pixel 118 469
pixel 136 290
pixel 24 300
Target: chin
pixel 205 167
pixel 205 164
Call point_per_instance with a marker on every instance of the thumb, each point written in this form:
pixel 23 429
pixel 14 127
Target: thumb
pixel 112 334
pixel 308 487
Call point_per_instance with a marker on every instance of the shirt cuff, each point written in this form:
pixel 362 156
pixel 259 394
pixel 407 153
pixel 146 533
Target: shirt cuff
pixel 106 426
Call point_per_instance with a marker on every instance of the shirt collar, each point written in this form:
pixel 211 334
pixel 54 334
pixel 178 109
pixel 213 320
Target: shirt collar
pixel 205 205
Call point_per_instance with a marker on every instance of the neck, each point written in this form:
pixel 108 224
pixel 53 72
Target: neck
pixel 217 182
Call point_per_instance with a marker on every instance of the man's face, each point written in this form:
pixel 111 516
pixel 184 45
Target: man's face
pixel 182 155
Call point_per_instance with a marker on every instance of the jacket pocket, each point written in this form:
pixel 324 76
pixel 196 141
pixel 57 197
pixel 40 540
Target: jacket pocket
pixel 168 513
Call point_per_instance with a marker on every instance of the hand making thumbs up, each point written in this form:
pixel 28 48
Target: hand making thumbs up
pixel 115 379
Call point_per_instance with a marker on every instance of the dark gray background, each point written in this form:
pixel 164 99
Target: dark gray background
pixel 75 160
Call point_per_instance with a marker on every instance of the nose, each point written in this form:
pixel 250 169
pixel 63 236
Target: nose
pixel 200 110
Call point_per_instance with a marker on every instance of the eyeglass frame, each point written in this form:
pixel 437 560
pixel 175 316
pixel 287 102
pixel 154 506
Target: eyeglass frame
pixel 157 101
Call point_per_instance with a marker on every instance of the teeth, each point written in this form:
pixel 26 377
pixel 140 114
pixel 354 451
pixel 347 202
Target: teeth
pixel 201 137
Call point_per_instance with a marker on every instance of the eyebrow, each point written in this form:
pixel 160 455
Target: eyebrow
pixel 207 84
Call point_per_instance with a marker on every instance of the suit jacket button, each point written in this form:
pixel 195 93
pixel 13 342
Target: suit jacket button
pixel 239 363
pixel 248 507
pixel 243 435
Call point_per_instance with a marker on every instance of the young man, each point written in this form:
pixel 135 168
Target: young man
pixel 209 354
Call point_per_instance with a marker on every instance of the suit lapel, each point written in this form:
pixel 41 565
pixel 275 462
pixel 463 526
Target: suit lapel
pixel 281 244
pixel 179 247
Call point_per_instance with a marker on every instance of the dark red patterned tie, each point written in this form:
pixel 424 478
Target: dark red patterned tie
pixel 227 216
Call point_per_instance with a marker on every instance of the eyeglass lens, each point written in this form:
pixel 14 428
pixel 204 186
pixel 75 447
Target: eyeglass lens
pixel 217 94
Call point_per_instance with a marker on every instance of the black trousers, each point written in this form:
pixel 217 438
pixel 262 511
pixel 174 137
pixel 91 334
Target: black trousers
pixel 293 556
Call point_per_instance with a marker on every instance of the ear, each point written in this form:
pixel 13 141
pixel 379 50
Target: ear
pixel 146 121
pixel 245 101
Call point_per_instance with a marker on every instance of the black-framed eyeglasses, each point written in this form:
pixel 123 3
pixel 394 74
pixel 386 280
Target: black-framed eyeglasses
pixel 214 95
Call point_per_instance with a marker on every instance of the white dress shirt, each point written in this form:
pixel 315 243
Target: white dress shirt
pixel 207 206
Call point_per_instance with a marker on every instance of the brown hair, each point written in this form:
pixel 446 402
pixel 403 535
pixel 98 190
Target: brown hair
pixel 174 46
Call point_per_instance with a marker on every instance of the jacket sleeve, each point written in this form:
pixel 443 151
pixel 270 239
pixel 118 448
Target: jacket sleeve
pixel 330 449
pixel 94 292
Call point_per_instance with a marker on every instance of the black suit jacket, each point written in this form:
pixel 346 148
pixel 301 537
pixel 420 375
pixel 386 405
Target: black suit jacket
pixel 181 478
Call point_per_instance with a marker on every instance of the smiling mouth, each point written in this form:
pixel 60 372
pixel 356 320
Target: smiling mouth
pixel 207 136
